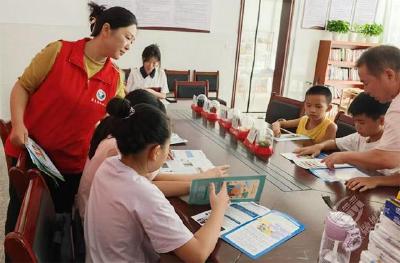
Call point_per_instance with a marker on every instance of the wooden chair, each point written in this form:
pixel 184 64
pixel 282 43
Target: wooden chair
pixel 33 237
pixel 345 124
pixel 283 108
pixel 186 89
pixel 213 82
pixel 19 176
pixel 176 75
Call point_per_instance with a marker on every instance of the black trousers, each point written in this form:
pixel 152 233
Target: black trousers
pixel 63 197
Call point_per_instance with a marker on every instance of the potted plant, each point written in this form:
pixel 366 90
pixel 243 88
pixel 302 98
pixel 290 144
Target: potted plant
pixel 354 32
pixel 338 28
pixel 372 32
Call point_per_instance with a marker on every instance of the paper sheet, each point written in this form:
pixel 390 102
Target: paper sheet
pixel 337 175
pixel 308 162
pixel 176 139
pixel 290 137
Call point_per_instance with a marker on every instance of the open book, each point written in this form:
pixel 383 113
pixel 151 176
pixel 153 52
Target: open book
pixel 309 162
pixel 254 229
pixel 187 161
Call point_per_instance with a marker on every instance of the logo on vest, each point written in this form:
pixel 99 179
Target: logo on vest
pixel 101 95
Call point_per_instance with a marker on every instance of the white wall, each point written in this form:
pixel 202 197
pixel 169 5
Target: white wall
pixel 213 51
pixel 304 50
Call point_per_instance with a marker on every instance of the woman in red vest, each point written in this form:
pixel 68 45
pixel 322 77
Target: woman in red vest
pixel 61 96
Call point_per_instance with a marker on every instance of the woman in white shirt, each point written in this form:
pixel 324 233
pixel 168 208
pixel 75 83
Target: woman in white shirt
pixel 150 76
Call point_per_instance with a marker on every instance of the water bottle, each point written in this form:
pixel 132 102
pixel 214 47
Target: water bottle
pixel 341 236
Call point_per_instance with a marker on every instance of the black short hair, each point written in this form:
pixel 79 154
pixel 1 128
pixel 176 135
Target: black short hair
pixel 118 107
pixel 152 51
pixel 320 90
pixel 377 59
pixel 142 126
pixel 143 96
pixel 115 16
pixel 365 104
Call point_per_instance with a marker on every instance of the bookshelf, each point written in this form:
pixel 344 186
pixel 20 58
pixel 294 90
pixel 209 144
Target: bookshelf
pixel 335 67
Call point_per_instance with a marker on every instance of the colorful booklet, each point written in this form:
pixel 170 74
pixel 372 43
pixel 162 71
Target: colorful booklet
pixel 264 233
pixel 254 229
pixel 176 139
pixel 187 161
pixel 309 162
pixel 236 215
pixel 337 175
pixel 291 137
pixel 42 161
pixel 240 188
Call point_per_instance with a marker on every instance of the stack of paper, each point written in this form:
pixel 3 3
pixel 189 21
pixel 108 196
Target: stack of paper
pixel 384 240
pixel 176 139
pixel 187 161
pixel 42 161
pixel 253 229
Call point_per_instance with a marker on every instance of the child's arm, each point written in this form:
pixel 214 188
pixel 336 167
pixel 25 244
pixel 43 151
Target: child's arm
pixel 199 248
pixel 276 126
pixel 315 150
pixel 173 188
pixel 218 171
pixel 373 159
pixel 330 133
pixel 365 183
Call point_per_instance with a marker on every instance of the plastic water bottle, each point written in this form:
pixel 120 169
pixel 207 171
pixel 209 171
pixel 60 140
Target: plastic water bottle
pixel 341 236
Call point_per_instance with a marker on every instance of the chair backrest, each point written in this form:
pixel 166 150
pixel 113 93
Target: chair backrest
pixel 176 75
pixel 345 125
pixel 32 239
pixel 18 175
pixel 283 108
pixel 186 89
pixel 126 71
pixel 212 77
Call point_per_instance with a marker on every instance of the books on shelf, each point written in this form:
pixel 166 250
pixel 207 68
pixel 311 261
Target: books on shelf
pixel 253 229
pixel 345 54
pixel 342 73
pixel 384 240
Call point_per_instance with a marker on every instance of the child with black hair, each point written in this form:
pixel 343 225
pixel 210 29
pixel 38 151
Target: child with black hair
pixel 128 219
pixel 103 145
pixel 315 124
pixel 368 115
pixel 150 76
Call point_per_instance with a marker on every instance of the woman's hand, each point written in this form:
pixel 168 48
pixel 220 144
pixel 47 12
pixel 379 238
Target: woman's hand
pixel 19 135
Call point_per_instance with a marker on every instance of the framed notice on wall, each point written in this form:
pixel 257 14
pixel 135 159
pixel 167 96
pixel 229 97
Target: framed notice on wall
pixel 175 15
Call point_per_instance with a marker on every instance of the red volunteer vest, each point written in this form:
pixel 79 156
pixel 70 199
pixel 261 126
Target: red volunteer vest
pixel 61 115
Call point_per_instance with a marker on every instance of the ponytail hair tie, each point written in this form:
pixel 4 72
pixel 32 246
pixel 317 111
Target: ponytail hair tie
pixel 131 112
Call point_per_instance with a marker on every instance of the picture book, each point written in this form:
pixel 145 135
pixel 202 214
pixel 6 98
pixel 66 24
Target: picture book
pixel 309 162
pixel 337 175
pixel 187 161
pixel 290 137
pixel 176 139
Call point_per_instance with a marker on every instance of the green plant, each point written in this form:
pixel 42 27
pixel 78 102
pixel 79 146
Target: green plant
pixel 338 26
pixel 372 29
pixel 356 28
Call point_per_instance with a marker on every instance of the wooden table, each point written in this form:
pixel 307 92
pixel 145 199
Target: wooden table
pixel 288 188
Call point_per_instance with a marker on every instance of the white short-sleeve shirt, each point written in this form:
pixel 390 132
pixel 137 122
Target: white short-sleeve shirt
pixel 356 143
pixel 139 80
pixel 128 219
pixel 390 140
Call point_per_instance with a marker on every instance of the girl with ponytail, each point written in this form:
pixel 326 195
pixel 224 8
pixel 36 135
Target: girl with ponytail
pixel 128 219
pixel 103 145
